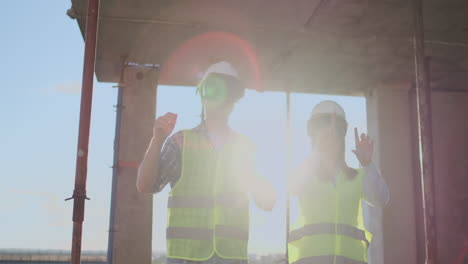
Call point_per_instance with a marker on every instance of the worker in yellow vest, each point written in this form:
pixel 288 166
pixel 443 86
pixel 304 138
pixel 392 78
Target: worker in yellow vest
pixel 330 229
pixel 211 172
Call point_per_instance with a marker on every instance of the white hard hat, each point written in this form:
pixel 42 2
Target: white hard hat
pixel 328 107
pixel 221 67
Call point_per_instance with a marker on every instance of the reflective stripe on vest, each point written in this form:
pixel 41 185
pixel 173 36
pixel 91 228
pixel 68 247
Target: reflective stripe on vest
pixel 232 232
pixel 328 228
pixel 206 233
pixel 190 202
pixel 224 201
pixel 230 201
pixel 328 260
pixel 189 233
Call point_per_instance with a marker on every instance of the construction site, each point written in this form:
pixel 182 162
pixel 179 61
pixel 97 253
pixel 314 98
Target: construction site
pixel 408 61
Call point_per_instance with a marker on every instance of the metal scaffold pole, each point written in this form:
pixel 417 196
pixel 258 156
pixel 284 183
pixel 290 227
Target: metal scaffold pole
pixel 288 167
pixel 79 193
pixel 115 167
pixel 423 97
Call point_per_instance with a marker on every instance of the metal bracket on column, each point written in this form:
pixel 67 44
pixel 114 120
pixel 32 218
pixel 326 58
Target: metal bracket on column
pixel 128 64
pixel 80 194
pixel 120 85
pixel 118 107
pixel 142 65
pixel 149 66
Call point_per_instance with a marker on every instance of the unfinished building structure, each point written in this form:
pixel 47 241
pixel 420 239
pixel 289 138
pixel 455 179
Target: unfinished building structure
pixel 360 47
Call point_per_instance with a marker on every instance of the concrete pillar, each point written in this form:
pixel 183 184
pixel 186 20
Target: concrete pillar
pixel 132 222
pixel 389 120
pixel 450 132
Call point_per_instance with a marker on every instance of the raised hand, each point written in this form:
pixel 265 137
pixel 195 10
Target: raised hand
pixel 163 126
pixel 364 148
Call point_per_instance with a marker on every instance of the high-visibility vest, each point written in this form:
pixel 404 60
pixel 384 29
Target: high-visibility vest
pixel 208 209
pixel 331 227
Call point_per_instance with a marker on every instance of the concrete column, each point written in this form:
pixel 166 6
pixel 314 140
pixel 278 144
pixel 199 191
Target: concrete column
pixel 450 132
pixel 389 118
pixel 132 222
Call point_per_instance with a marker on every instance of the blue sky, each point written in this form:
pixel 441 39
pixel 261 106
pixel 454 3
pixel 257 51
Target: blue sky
pixel 39 108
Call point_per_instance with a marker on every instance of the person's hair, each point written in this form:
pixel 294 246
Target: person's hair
pixel 319 121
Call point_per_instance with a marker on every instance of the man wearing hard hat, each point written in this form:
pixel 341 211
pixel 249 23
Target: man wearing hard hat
pixel 331 228
pixel 210 169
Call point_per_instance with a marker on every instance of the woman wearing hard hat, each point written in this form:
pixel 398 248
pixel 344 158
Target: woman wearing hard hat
pixel 331 228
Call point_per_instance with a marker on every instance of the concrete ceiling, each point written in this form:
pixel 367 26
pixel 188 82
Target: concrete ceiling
pixel 326 46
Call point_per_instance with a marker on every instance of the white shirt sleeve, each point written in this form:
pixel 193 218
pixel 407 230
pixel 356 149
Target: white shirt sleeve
pixel 375 190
